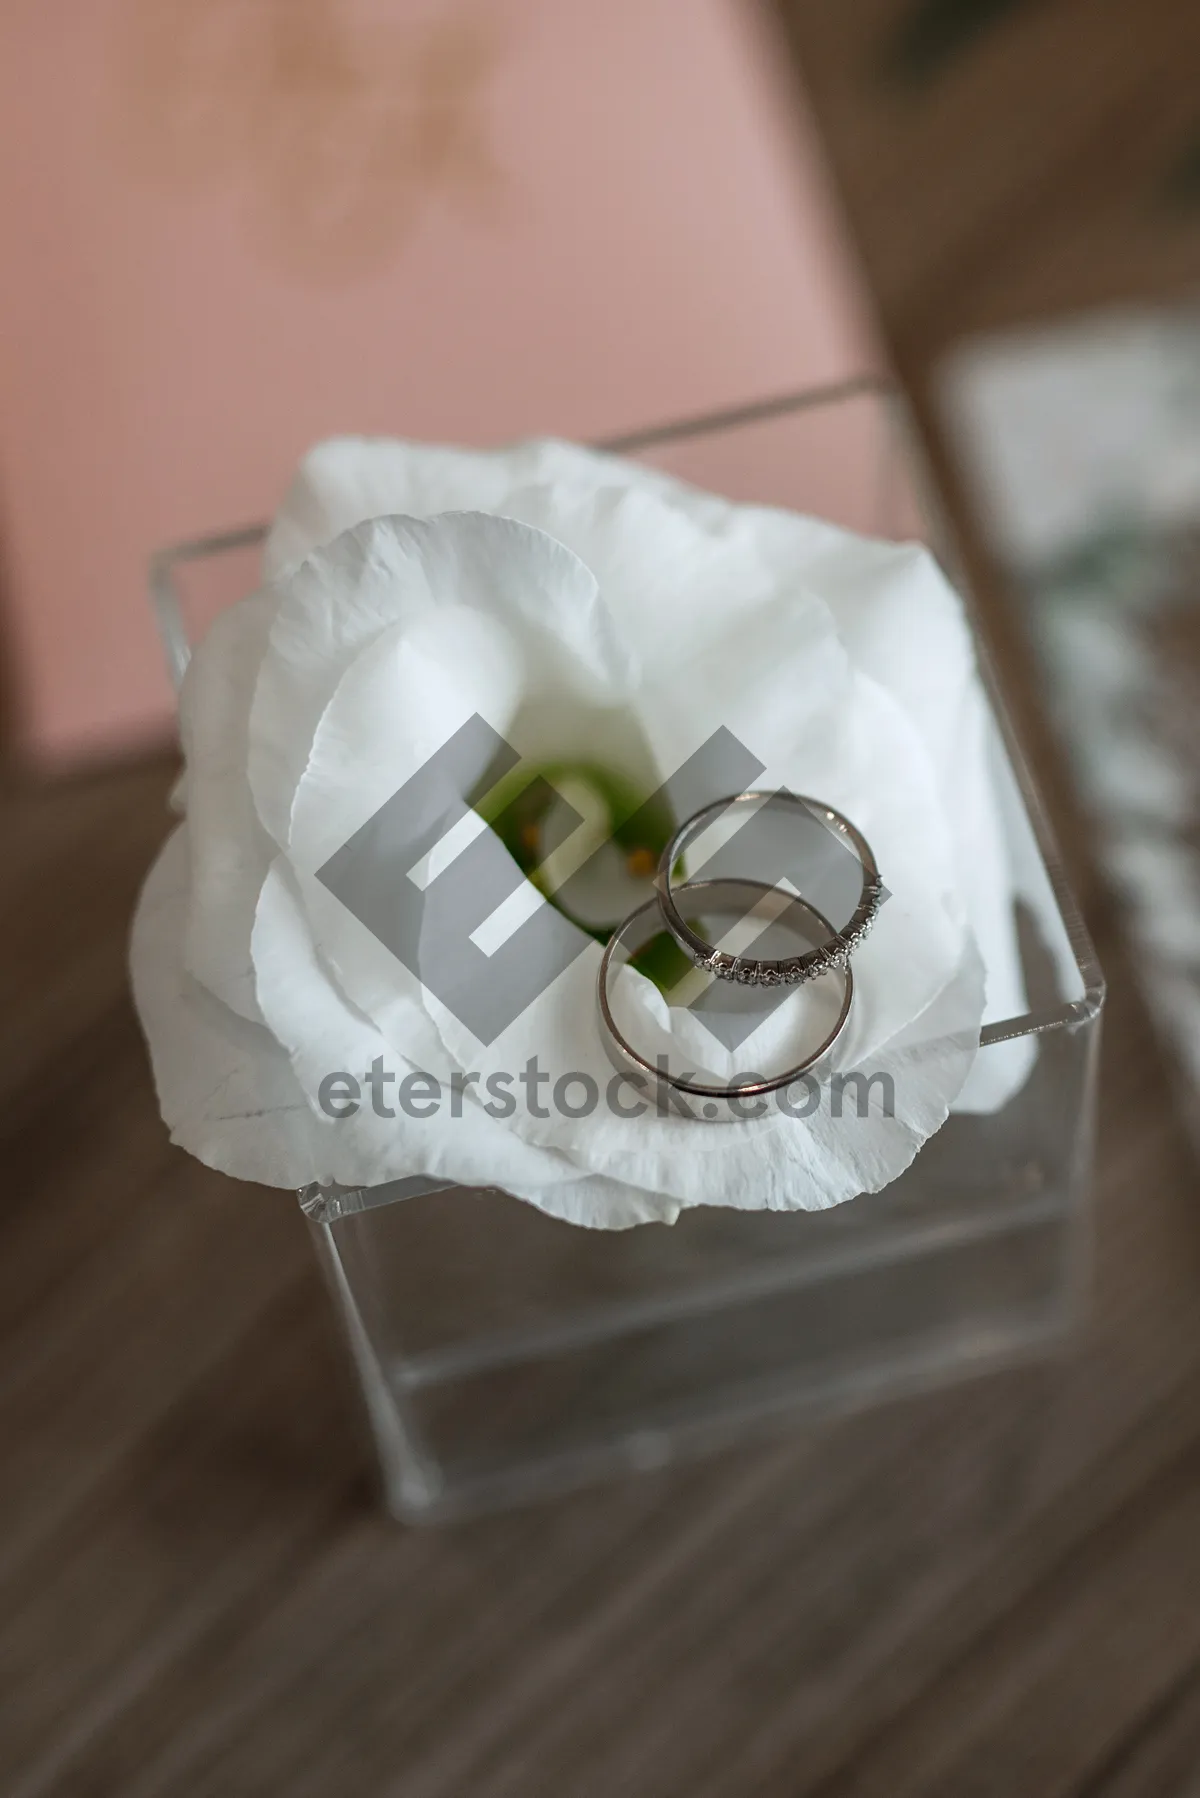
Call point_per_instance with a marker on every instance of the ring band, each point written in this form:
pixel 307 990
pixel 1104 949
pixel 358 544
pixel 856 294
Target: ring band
pixel 693 1098
pixel 791 970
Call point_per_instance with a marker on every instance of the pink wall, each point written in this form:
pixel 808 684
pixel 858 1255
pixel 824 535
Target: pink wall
pixel 234 226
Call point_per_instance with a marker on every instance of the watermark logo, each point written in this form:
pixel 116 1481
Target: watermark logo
pixel 430 924
pixel 412 1093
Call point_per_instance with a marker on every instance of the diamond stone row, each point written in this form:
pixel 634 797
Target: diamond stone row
pixel 800 968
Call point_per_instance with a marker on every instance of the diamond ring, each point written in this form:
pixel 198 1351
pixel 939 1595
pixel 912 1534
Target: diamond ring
pixel 837 837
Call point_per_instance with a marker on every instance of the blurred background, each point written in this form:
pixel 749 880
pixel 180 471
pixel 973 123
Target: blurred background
pixel 235 226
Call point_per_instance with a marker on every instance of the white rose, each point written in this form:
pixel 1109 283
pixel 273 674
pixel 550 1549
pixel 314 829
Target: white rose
pixel 594 613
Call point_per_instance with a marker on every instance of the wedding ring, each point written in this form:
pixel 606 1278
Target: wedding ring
pixel 685 1093
pixel 840 945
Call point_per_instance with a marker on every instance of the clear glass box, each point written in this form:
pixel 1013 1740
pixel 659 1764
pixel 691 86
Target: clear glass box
pixel 504 1355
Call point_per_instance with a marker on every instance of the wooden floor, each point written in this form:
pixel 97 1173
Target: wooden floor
pixel 993 1590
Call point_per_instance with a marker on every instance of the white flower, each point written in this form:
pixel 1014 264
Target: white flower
pixel 595 614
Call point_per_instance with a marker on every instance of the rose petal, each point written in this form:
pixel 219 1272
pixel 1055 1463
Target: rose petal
pixel 396 572
pixel 225 1088
pixel 324 1035
pixel 230 852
